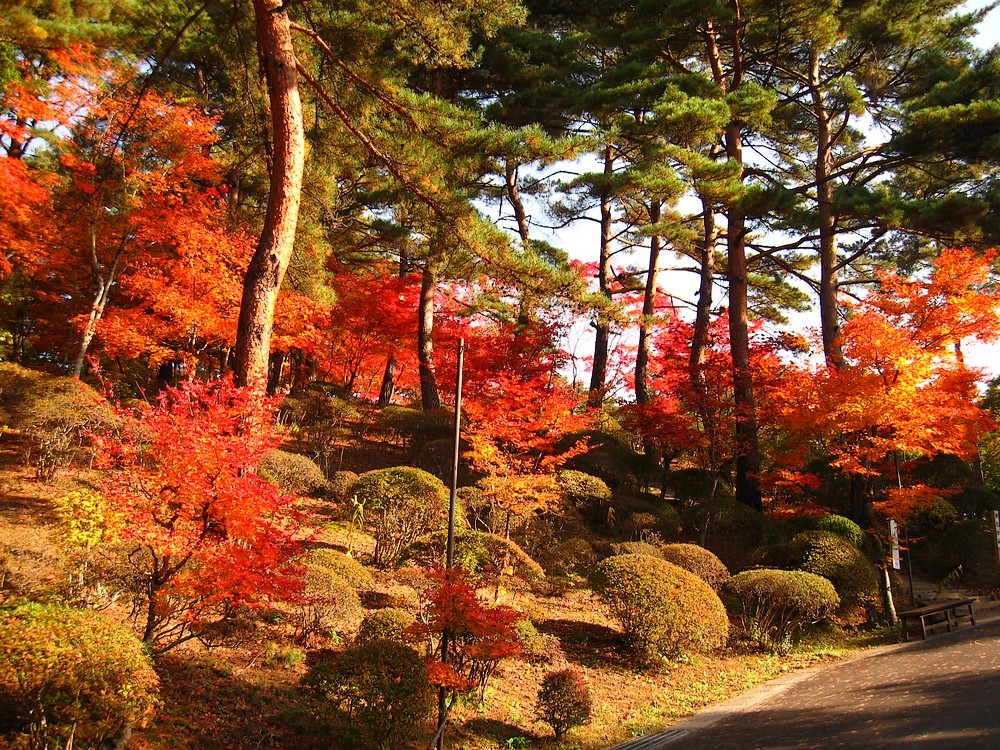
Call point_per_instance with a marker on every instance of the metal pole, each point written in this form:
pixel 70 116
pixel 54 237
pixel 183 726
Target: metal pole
pixel 450 554
pixel 909 565
pixel 450 551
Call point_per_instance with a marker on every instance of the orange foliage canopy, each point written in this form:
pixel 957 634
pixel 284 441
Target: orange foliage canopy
pixel 209 532
pixel 904 386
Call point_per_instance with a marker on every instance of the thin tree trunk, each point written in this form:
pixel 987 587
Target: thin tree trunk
pixel 602 338
pixel 102 291
pixel 829 282
pixel 429 397
pixel 274 249
pixel 525 304
pixel 706 282
pixel 648 311
pixel 699 339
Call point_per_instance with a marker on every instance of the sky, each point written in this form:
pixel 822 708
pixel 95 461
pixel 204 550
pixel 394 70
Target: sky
pixel 989 29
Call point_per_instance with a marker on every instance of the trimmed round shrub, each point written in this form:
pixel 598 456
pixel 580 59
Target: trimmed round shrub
pixel 294 473
pixel 385 625
pixel 779 603
pixel 964 553
pixel 397 505
pixel 344 566
pixel 332 604
pixel 974 501
pixel 71 673
pixel 583 488
pixel 377 692
pixel 412 427
pixel 564 701
pixel 588 493
pixel 340 485
pixel 573 557
pixel 669 523
pixel 54 414
pixel 841 526
pixel 637 548
pixel 663 608
pixel 934 518
pixel 475 551
pixel 849 570
pixel 611 456
pixel 698 560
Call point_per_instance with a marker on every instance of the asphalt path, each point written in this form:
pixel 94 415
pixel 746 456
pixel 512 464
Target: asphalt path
pixel 940 693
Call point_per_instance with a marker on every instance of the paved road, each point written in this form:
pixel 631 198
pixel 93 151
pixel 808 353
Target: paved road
pixel 939 693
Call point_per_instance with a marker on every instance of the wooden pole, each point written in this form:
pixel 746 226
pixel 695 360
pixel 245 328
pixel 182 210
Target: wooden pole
pixel 450 550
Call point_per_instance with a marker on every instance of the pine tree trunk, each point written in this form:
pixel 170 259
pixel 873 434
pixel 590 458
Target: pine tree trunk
pixel 274 249
pixel 829 282
pixel 602 338
pixel 429 397
pixel 648 311
pixel 388 388
pixel 699 339
pixel 744 404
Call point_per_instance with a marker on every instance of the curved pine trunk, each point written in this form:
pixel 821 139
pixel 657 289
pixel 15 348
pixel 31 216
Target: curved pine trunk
pixel 274 249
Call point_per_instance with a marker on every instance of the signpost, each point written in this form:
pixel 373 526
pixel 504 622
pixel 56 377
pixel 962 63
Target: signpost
pixel 894 544
pixel 996 532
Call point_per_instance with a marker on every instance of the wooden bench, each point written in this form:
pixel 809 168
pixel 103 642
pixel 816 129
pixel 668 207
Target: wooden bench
pixel 946 614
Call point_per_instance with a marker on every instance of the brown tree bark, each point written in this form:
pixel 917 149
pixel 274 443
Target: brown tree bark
pixel 430 399
pixel 747 482
pixel 274 249
pixel 648 310
pixel 829 269
pixel 602 337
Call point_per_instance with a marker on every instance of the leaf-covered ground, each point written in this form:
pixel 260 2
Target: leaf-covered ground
pixel 248 697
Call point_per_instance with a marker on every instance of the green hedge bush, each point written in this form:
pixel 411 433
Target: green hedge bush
pixel 385 625
pixel 848 569
pixel 72 673
pixel 397 505
pixel 331 606
pixel 663 608
pixel 377 692
pixel 776 604
pixel 54 413
pixel 732 530
pixel 698 560
pixel 294 473
pixel 344 566
pixel 841 526
pixel 637 548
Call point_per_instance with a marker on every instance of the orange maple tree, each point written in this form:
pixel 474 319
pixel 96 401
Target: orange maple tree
pixel 207 535
pixel 904 386
pixel 134 245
